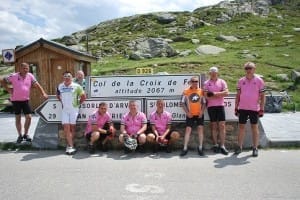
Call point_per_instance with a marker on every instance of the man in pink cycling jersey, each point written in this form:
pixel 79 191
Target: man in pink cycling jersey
pixel 161 133
pixel 214 90
pixel 99 128
pixel 134 125
pixel 22 82
pixel 249 103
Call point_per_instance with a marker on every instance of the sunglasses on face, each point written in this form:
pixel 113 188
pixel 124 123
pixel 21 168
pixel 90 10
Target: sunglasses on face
pixel 194 81
pixel 67 76
pixel 248 68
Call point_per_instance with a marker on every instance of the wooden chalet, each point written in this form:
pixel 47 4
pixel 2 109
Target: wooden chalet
pixel 48 60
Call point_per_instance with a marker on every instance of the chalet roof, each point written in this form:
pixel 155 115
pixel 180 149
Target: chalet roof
pixel 42 42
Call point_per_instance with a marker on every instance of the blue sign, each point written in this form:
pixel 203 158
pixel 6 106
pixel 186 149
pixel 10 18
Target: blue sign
pixel 8 55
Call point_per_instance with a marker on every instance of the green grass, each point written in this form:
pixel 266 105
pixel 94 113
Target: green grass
pixel 263 37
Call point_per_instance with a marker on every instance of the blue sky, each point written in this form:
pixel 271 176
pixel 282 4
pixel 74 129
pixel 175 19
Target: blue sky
pixel 24 21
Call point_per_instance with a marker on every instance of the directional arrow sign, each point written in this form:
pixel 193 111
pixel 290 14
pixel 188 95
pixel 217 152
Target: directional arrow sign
pixel 50 111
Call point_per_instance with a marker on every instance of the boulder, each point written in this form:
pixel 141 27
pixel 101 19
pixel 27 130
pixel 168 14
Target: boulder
pixel 248 56
pixel 152 47
pixel 193 23
pixel 223 18
pixel 297 29
pixel 228 38
pixel 209 49
pixel 282 77
pixel 69 40
pixel 165 18
pixel 295 75
pixel 137 55
pixel 185 53
pixel 195 41
pixel 262 7
pixel 78 47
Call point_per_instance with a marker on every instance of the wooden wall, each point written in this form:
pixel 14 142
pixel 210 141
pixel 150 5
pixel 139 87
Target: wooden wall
pixel 50 66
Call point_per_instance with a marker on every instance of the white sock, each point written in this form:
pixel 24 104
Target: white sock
pixel 200 146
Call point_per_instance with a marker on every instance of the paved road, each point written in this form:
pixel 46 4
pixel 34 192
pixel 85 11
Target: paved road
pixel 53 175
pixel 279 128
pixel 8 132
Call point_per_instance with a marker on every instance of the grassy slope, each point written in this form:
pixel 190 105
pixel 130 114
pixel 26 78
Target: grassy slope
pixel 263 37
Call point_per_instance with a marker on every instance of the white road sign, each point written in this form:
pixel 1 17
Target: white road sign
pixel 138 86
pixel 50 110
pixel 173 106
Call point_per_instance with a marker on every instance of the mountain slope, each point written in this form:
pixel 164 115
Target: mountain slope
pixel 267 33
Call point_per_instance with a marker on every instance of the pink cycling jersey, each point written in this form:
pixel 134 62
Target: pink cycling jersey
pixel 250 90
pixel 97 119
pixel 218 85
pixel 21 86
pixel 161 121
pixel 133 123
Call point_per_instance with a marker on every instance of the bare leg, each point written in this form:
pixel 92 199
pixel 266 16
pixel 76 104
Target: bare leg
pixel 73 132
pixel 255 135
pixel 150 138
pixel 121 138
pixel 214 133
pixel 95 136
pixel 18 124
pixel 241 135
pixel 174 137
pixel 200 135
pixel 187 134
pixel 67 131
pixel 27 123
pixel 222 133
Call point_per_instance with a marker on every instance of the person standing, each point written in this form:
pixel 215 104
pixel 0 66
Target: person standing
pixel 249 103
pixel 99 128
pixel 161 121
pixel 133 125
pixel 79 79
pixel 71 95
pixel 215 89
pixel 193 105
pixel 22 82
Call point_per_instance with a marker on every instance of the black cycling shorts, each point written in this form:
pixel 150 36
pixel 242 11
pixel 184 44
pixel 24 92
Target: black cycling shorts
pixel 20 106
pixel 216 113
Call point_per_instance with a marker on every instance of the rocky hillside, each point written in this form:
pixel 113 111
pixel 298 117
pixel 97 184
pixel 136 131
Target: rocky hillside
pixel 156 34
pixel 227 35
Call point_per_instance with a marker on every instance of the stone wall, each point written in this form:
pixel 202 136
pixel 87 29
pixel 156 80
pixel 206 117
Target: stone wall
pixel 231 137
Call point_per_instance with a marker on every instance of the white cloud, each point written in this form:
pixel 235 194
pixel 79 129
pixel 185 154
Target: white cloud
pixel 22 22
